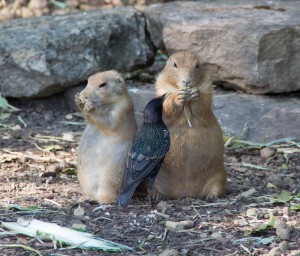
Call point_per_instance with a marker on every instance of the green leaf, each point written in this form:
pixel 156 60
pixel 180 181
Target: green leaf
pixel 264 240
pixel 69 171
pixel 4 116
pixel 7 159
pixel 232 140
pixel 295 207
pixel 298 195
pixel 23 208
pixel 262 228
pixel 6 106
pixel 283 197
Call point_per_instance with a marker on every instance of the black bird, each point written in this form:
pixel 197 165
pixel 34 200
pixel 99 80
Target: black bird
pixel 149 146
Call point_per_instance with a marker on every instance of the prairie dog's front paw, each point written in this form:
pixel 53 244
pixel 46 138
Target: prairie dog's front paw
pixel 194 94
pixel 78 100
pixel 183 95
pixel 88 106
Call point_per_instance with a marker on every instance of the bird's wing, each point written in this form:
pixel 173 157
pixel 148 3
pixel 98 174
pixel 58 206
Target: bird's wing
pixel 145 156
pixel 147 152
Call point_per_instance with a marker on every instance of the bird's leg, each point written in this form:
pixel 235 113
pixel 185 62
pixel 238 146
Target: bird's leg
pixel 150 182
pixel 150 198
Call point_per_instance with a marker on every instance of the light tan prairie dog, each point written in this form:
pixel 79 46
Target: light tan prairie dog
pixel 105 142
pixel 194 165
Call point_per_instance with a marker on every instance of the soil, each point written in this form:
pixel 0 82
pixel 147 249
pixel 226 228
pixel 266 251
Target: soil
pixel 38 164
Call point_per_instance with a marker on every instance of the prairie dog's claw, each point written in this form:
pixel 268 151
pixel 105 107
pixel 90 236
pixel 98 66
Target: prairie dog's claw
pixel 194 93
pixel 88 106
pixel 183 94
pixel 78 100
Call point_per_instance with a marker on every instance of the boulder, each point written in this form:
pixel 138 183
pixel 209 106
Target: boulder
pixel 45 55
pixel 268 117
pixel 251 46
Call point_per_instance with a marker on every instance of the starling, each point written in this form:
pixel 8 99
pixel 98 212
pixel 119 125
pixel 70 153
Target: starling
pixel 149 146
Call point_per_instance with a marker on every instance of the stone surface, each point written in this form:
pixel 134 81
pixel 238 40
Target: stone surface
pixel 181 225
pixel 267 152
pixel 252 46
pixel 268 118
pixel 41 56
pixel 283 231
pixel 252 212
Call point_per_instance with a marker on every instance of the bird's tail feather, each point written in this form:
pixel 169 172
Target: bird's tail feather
pixel 124 198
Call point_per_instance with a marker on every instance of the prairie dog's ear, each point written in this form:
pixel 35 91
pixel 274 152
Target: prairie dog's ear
pixel 120 80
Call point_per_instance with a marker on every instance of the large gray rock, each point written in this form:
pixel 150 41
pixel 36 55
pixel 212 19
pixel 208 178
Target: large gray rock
pixel 41 56
pixel 268 118
pixel 252 46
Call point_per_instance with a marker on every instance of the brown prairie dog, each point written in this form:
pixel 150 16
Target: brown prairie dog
pixel 105 142
pixel 194 165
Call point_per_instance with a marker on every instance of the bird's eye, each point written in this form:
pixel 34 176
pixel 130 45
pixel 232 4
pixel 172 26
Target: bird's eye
pixel 102 85
pixel 175 65
pixel 197 66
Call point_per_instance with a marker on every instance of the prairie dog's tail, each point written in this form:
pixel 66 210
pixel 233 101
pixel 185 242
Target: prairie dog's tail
pixel 124 197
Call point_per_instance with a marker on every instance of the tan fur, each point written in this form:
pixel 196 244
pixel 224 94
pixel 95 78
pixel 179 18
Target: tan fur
pixel 105 142
pixel 194 165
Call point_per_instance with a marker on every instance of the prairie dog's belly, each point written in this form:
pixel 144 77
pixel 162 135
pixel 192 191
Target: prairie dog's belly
pixel 193 150
pixel 100 159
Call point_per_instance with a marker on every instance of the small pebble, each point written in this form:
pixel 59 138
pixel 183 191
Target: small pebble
pixel 285 212
pixel 79 212
pixel 79 227
pixel 216 235
pixel 186 224
pixel 267 152
pixel 170 252
pixel 282 230
pixel 270 185
pixel 283 246
pixel 274 252
pixel 247 193
pixel 275 179
pixel 16 127
pixel 174 225
pixel 69 117
pixel 68 136
pixel 252 212
pixel 163 206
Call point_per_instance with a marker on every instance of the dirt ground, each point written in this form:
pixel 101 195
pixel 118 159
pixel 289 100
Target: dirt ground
pixel 37 167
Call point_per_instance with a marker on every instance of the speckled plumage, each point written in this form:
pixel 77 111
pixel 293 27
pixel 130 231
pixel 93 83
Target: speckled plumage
pixel 149 146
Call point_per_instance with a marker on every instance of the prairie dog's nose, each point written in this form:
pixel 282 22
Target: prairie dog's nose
pixel 187 82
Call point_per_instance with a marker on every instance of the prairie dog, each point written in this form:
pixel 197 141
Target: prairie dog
pixel 105 142
pixel 194 165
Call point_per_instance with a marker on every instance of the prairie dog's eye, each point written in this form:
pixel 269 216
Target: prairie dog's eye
pixel 102 85
pixel 175 65
pixel 197 66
